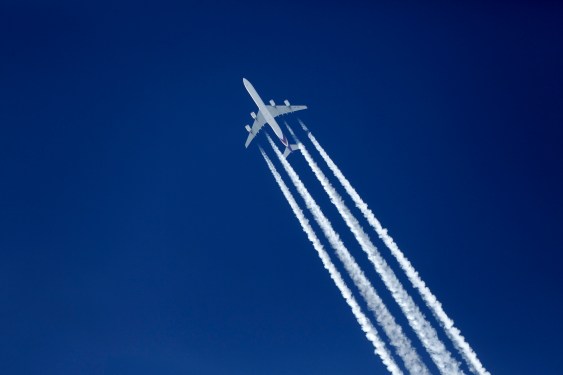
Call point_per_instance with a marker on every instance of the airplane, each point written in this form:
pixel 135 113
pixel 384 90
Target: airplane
pixel 266 115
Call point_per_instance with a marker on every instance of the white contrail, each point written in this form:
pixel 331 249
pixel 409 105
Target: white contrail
pixel 431 301
pixel 423 329
pixel 365 324
pixel 402 344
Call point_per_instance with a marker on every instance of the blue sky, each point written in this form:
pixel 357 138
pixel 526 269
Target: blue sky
pixel 140 237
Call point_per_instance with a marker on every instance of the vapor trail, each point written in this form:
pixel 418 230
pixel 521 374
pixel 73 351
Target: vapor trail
pixel 412 361
pixel 418 322
pixel 365 324
pixel 431 301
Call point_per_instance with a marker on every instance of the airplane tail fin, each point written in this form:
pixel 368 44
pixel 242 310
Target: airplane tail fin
pixel 290 149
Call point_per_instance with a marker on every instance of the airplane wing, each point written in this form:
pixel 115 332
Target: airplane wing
pixel 258 123
pixel 278 110
pixel 275 111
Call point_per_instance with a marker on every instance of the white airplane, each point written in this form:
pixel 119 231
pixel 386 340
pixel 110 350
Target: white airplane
pixel 267 114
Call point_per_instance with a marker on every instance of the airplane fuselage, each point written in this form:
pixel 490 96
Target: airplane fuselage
pixel 270 120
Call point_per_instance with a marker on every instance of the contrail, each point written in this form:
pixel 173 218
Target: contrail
pixel 365 324
pixel 423 329
pixel 412 361
pixel 431 301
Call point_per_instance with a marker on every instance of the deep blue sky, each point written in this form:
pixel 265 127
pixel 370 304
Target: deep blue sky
pixel 140 237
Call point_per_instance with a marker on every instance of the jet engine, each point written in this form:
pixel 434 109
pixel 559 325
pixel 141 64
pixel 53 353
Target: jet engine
pixel 247 127
pixel 286 102
pixel 272 103
pixel 253 115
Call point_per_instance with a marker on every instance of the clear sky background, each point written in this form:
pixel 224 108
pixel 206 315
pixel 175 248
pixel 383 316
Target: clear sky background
pixel 138 236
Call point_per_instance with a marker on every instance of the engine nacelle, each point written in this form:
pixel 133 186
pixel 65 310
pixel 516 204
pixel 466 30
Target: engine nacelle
pixel 253 115
pixel 272 103
pixel 286 102
pixel 247 127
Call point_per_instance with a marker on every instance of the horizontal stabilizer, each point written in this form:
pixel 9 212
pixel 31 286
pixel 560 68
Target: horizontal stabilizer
pixel 290 149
